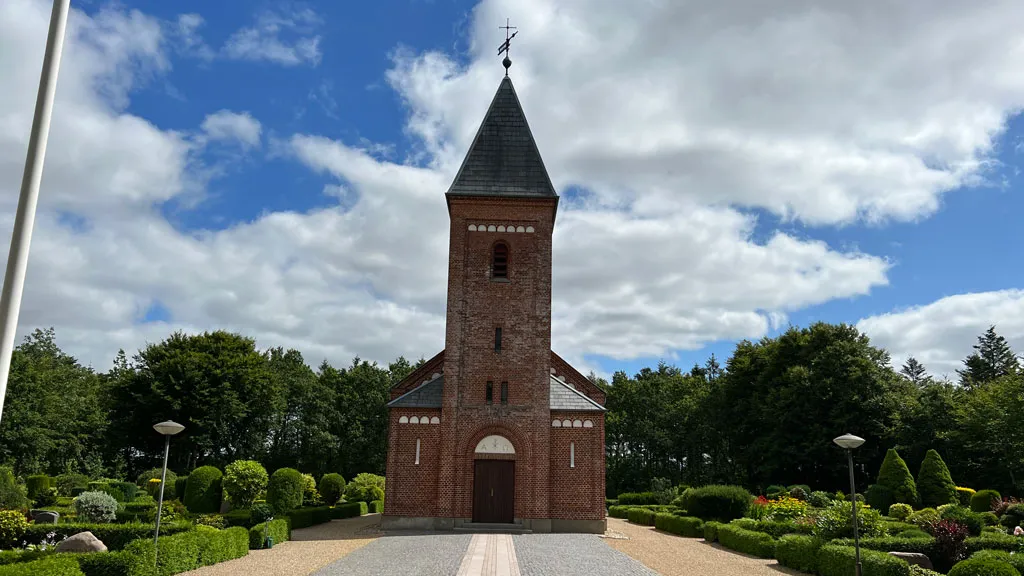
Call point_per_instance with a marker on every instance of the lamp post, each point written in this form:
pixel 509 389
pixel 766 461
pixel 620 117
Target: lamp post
pixel 848 442
pixel 168 428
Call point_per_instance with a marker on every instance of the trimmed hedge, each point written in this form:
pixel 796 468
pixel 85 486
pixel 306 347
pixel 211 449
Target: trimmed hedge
pixel 687 526
pixel 717 502
pixel 840 561
pixel 798 552
pixel 203 490
pixel 747 541
pixel 115 536
pixel 350 510
pixel 642 516
pixel 993 541
pixel 983 567
pixel 191 550
pixel 638 498
pixel 305 517
pixel 1015 560
pixel 711 531
pixel 981 501
pixel 775 529
pixel 619 511
pixel 277 530
pixel 376 507
pixel 241 517
pixel 926 545
pixel 55 566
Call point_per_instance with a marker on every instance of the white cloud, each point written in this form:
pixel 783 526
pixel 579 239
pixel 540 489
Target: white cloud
pixel 263 40
pixel 941 334
pixel 226 125
pixel 666 127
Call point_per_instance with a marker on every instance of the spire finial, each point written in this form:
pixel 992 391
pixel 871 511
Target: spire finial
pixel 504 47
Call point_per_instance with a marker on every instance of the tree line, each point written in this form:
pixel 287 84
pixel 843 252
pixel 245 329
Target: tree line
pixel 765 416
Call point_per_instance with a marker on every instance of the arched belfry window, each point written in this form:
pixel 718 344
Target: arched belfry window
pixel 499 261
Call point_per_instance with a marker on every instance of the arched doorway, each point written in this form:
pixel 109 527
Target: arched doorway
pixel 494 481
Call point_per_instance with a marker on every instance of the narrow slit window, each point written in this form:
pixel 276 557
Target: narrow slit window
pixel 572 454
pixel 499 261
pixel 497 339
pixel 417 451
pixel 504 392
pixel 490 391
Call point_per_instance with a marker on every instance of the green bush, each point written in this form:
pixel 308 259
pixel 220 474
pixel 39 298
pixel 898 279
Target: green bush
pixel 284 492
pixel 95 507
pixel 964 495
pixel 989 518
pixel 836 521
pixel 36 485
pixel 277 530
pixel 924 517
pixel 711 531
pixel 65 482
pixel 934 483
pixel 879 497
pixel 900 511
pixel 1015 560
pixel 619 511
pixel 332 487
pixel 774 491
pixel 717 502
pixel 681 525
pixel 366 488
pixel 128 489
pixel 983 567
pixel 641 516
pixel 1013 516
pixel 186 551
pixel 964 516
pixel 819 499
pixel 840 561
pixel 798 552
pixel 54 566
pixel 179 485
pixel 983 499
pixel 305 517
pixel 12 527
pixel 775 528
pixel 895 476
pixel 239 517
pixel 12 494
pixel 243 481
pixel 922 545
pixel 637 498
pixel 746 541
pixel 114 536
pixel 203 491
pixel 912 534
pixel 376 507
pixel 993 541
pixel 146 476
pixel 350 510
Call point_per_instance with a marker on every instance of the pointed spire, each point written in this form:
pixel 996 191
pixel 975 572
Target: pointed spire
pixel 503 159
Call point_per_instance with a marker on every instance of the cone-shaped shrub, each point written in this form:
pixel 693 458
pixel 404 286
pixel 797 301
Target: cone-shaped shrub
pixel 895 476
pixel 203 490
pixel 934 484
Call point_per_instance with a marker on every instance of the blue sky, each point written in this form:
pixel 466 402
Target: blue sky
pixel 384 108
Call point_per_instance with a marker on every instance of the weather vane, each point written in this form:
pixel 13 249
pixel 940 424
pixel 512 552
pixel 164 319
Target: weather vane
pixel 504 47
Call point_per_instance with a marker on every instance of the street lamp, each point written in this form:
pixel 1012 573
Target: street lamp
pixel 848 442
pixel 168 428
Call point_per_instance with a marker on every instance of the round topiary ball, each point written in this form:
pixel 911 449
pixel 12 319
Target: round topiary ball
pixel 332 486
pixel 983 567
pixel 982 500
pixel 284 492
pixel 203 491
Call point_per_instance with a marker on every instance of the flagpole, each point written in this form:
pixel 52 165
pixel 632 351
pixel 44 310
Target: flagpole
pixel 24 219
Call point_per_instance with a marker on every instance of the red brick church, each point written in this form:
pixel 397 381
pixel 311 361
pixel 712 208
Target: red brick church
pixel 497 428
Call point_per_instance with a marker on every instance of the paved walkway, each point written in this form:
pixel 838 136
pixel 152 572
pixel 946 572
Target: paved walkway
pixel 672 555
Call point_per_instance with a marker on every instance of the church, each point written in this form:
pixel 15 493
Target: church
pixel 496 430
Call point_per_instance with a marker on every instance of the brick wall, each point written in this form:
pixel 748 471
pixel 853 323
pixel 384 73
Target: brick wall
pixel 411 489
pixel 577 493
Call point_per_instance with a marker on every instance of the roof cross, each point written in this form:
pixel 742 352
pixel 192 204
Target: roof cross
pixel 505 45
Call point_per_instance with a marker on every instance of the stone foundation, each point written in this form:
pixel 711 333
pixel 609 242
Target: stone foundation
pixel 537 525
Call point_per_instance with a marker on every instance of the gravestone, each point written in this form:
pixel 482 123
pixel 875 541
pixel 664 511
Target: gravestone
pixel 45 516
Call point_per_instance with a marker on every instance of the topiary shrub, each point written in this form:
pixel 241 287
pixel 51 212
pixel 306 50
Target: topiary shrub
pixel 924 517
pixel 895 476
pixel 983 567
pixel 989 518
pixel 964 495
pixel 65 482
pixel 641 516
pixel 153 488
pixel 798 493
pixel 146 476
pixel 36 485
pixel 284 491
pixel 95 507
pixel 774 491
pixel 934 484
pixel 243 481
pixel 819 499
pixel 746 541
pixel 637 498
pixel 972 520
pixel 203 492
pixel 310 495
pixel 983 500
pixel 716 502
pixel 836 521
pixel 798 552
pixel 840 561
pixel 180 484
pixel 12 526
pixel 1013 516
pixel 332 487
pixel 900 511
pixel 1015 560
pixel 369 487
pixel 879 497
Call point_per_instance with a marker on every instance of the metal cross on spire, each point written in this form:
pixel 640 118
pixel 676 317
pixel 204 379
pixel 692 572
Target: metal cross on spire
pixel 505 46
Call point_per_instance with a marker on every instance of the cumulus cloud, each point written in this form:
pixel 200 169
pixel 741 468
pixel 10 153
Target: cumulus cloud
pixel 941 334
pixel 226 125
pixel 666 129
pixel 283 38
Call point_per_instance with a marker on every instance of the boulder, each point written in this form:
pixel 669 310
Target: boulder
pixel 914 558
pixel 82 542
pixel 44 516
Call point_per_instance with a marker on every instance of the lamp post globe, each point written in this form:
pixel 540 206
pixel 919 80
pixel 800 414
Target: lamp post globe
pixel 167 428
pixel 849 441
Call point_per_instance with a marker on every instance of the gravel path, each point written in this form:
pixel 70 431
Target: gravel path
pixel 404 554
pixel 309 549
pixel 574 555
pixel 672 555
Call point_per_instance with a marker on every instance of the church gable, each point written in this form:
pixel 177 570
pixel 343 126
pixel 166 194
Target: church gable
pixel 565 372
pixel 426 373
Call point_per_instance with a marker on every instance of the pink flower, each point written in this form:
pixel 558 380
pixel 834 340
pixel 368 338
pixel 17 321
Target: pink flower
pixel 1018 531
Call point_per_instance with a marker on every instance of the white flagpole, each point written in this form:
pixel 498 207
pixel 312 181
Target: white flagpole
pixel 24 219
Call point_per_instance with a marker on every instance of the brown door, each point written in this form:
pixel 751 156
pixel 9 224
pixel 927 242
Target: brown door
pixel 494 484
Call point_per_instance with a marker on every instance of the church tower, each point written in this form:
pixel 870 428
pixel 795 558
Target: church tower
pixel 497 429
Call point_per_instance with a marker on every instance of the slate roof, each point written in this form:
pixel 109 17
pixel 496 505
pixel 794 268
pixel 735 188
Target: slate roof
pixel 503 159
pixel 565 397
pixel 426 395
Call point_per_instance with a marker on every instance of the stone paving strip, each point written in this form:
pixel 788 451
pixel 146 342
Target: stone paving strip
pixel 404 554
pixel 574 555
pixel 310 548
pixel 490 555
pixel 672 555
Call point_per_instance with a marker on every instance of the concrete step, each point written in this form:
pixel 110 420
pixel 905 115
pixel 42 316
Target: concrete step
pixel 486 528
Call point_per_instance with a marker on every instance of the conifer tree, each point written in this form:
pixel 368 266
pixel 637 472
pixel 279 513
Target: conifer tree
pixel 895 476
pixel 993 358
pixel 934 483
pixel 914 371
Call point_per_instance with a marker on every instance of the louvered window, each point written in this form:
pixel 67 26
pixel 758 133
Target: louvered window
pixel 499 262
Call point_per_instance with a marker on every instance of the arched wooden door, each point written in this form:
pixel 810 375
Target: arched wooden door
pixel 494 481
